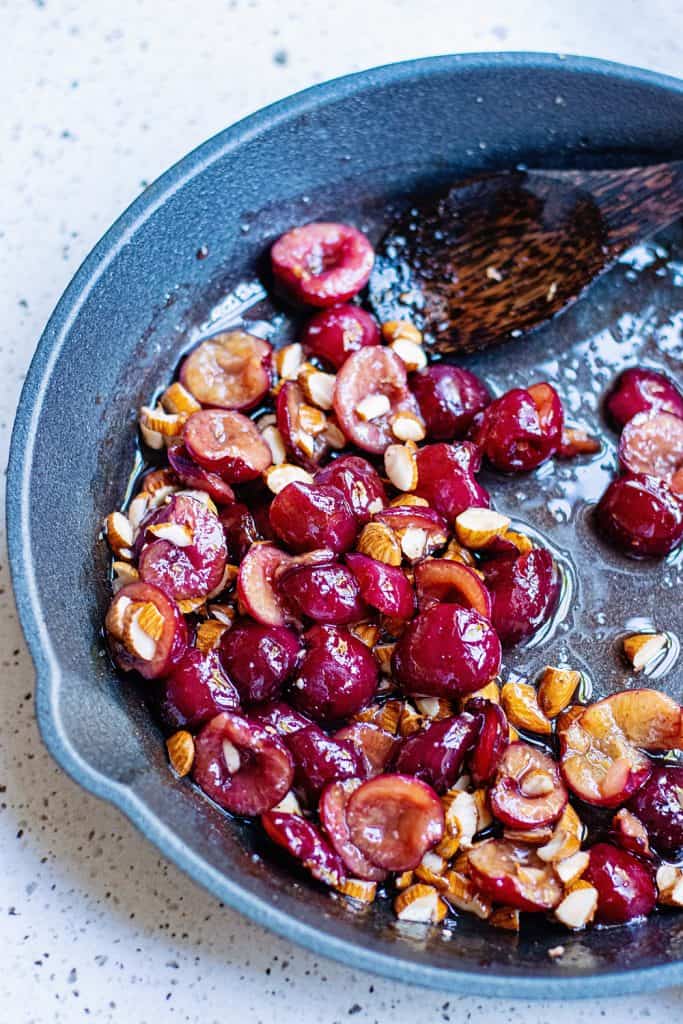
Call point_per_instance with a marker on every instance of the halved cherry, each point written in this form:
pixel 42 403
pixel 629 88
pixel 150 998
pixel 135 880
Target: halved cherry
pixel 375 745
pixel 259 659
pixel 383 587
pixel 359 482
pixel 337 676
pixel 491 742
pixel 393 820
pixel 256 587
pixel 638 390
pixel 528 790
pixel 441 579
pixel 332 811
pixel 240 765
pixel 240 530
pixel 304 841
pixel 437 752
pixel 372 371
pixel 416 517
pixel 327 593
pixel 189 556
pixel 446 651
pixel 524 593
pixel 335 333
pixel 652 443
pixel 322 263
pixel 445 478
pixel 303 448
pixel 229 371
pixel 626 888
pixel 227 443
pixel 193 475
pixel 310 516
pixel 320 759
pixel 449 398
pixel 521 429
pixel 640 515
pixel 659 805
pixel 514 875
pixel 164 651
pixel 197 689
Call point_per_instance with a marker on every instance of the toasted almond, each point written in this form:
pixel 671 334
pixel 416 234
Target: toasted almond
pixel 570 869
pixel 393 330
pixel 412 500
pixel 137 510
pixel 513 735
pixel 158 481
pixel 556 688
pixel 136 639
pixel 178 534
pixel 318 386
pixel 403 880
pixel 177 399
pixel 536 783
pixel 406 426
pixel 400 464
pixel 420 903
pixel 116 617
pixel 383 654
pixel 386 716
pixel 410 721
pixel 506 918
pixel 277 477
pixel 413 356
pixel 435 707
pixel 431 869
pixel 273 438
pixel 571 823
pixel 119 534
pixel 576 441
pixel 124 573
pixel 334 436
pixel 455 552
pixel 373 406
pixel 489 692
pixel 151 620
pixel 380 542
pixel 305 443
pixel 462 894
pixel 630 828
pixel 358 889
pixel 180 747
pixel 520 703
pixel 539 836
pixel 642 648
pixel 231 757
pixel 447 847
pixel 484 816
pixel 168 424
pixel 209 635
pixel 562 845
pixel 289 804
pixel 578 907
pixel 366 632
pixel 414 543
pixel 477 527
pixel 152 438
pixel 523 543
pixel 188 605
pixel 288 361
pixel 224 613
pixel 269 419
pixel 670 885
pixel 311 419
pixel 461 815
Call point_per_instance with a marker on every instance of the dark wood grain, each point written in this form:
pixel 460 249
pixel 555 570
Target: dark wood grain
pixel 499 254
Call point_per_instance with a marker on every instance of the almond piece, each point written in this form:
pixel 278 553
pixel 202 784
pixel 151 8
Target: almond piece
pixel 576 441
pixel 168 424
pixel 403 880
pixel 124 573
pixel 578 907
pixel 457 553
pixel 177 399
pixel 334 436
pixel 447 847
pixel 431 869
pixel 670 885
pixel 383 654
pixel 159 481
pixel 506 918
pixel 317 386
pixel 180 747
pixel 420 903
pixel 406 426
pixel 136 639
pixel 311 419
pixel 277 477
pixel 151 620
pixel 224 613
pixel 410 353
pixel 561 846
pixel 627 826
pixel 366 632
pixel 373 406
pixel 642 648
pixel 188 605
pixel 477 527
pixel 411 500
pixel 435 708
pixel 461 815
pixel 536 783
pixel 119 534
pixel 484 816
pixel 520 703
pixel 393 330
pixel 116 617
pixel 380 542
pixel 152 438
pixel 387 716
pixel 178 534
pixel 539 836
pixel 414 543
pixel 410 721
pixel 556 688
pixel 523 543
pixel 570 869
pixel 273 438
pixel 462 894
pixel 358 889
pixel 227 580
pixel 289 804
pixel 209 635
pixel 288 361
pixel 137 510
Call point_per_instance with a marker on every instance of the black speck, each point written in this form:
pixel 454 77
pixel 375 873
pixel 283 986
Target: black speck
pixel 202 252
pixel 71 980
pixel 356 1008
pixel 281 57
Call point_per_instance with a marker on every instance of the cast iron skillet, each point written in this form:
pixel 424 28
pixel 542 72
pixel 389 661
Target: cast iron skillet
pixel 339 149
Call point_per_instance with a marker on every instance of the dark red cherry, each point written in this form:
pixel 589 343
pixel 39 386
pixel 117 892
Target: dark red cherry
pixel 524 592
pixel 240 765
pixel 442 579
pixel 281 717
pixel 449 398
pixel 154 658
pixel 359 482
pixel 640 515
pixel 309 516
pixel 322 263
pixel 436 753
pixel 394 820
pixel 196 690
pixel 514 875
pixel 189 564
pixel 641 390
pixel 227 443
pixel 446 651
pixel 521 429
pixel 307 450
pixel 383 587
pixel 528 791
pixel 659 805
pixel 446 478
pixel 371 371
pixel 375 746
pixel 304 841
pixel 327 593
pixel 332 810
pixel 192 475
pixel 492 739
pixel 337 677
pixel 240 530
pixel 256 586
pixel 320 759
pixel 259 659
pixel 625 886
pixel 333 334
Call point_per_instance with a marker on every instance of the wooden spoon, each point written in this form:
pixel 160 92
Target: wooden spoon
pixel 501 253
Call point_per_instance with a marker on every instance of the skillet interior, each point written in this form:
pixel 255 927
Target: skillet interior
pixel 340 150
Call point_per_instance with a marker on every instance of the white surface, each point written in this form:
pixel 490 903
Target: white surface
pixel 98 98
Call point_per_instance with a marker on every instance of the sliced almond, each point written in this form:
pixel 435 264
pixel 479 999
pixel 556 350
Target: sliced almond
pixel 520 703
pixel 435 708
pixel 124 573
pixel 506 918
pixel 178 534
pixel 578 907
pixel 670 885
pixel 273 438
pixel 180 747
pixel 119 534
pixel 556 688
pixel 224 613
pixel 288 361
pixel 383 654
pixel 289 804
pixel 366 632
pixel 642 648
pixel 455 552
pixel 420 903
pixel 555 952
pixel 461 815
pixel 209 635
pixel 462 894
pixel 168 424
pixel 317 386
pixel 447 847
pixel 413 355
pixel 410 721
pixel 311 419
pixel 393 330
pixel 410 500
pixel 278 477
pixel 151 620
pixel 334 436
pixel 136 639
pixel 627 827
pixel 177 399
pixel 380 542
pixel 400 464
pixel 188 605
pixel 387 716
pixel 570 869
pixel 523 543
pixel 406 426
pixel 231 757
pixel 562 845
pixel 577 441
pixel 373 406
pixel 358 889
pixel 403 880
pixel 477 527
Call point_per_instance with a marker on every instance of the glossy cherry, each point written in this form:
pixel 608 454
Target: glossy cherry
pixel 320 759
pixel 165 651
pixel 197 689
pixel 332 811
pixel 256 586
pixel 194 476
pixel 240 530
pixel 322 263
pixel 304 841
pixel 521 429
pixel 652 443
pixel 659 805
pixel 358 481
pixel 513 875
pixel 308 516
pixel 327 593
pixel 445 478
pixel 372 371
pixel 449 398
pixel 259 659
pixel 375 746
pixel 228 371
pixel 227 443
pixel 640 515
pixel 626 888
pixel 308 450
pixel 524 593
pixel 639 390
pixel 527 791
pixel 394 819
pixel 337 676
pixel 383 587
pixel 437 752
pixel 333 334
pixel 491 740
pixel 441 579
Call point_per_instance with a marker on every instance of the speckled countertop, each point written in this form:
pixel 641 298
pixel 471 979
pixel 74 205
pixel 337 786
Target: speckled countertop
pixel 98 99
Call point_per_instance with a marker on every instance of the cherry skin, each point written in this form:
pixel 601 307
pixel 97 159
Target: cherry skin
pixel 658 805
pixel 449 399
pixel 337 677
pixel 309 516
pixel 259 659
pixel 524 593
pixel 196 690
pixel 436 753
pixel 335 333
pixel 625 886
pixel 445 478
pixel 520 430
pixel 359 482
pixel 640 390
pixel 640 515
pixel 322 263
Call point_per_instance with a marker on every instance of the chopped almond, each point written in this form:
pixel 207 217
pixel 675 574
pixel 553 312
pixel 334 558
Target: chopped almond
pixel 373 406
pixel 366 632
pixel 137 510
pixel 393 330
pixel 177 399
pixel 136 639
pixel 536 783
pixel 578 907
pixel 539 836
pixel 455 552
pixel 631 831
pixel 224 613
pixel 188 605
pixel 168 424
pixel 506 918
pixel 289 804
pixel 288 361
pixel 383 654
pixel 273 438
pixel 227 580
pixel 334 435
pixel 178 534
pixel 520 703
pixel 403 880
pixel 311 419
pixel 410 353
pixel 119 535
pixel 317 386
pixel 523 543
pixel 484 816
pixel 643 648
pixel 358 889
pixel 406 426
pixel 670 885
pixel 461 814
pixel 180 747
pixel 124 573
pixel 403 500
pixel 462 894
pixel 209 635
pixel 414 543
pixel 277 477
pixel 489 692
pixel 380 542
pixel 556 688
pixel 434 707
pixel 475 528
pixel 152 438
pixel 431 869
pixel 410 721
pixel 420 903
pixel 562 845
pixel 570 869
pixel 159 482
pixel 447 847
pixel 576 441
